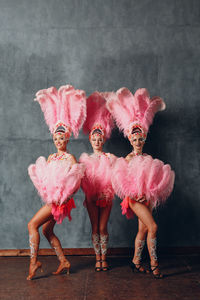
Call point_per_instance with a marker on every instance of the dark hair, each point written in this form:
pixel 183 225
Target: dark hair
pixel 60 129
pixel 97 131
pixel 135 130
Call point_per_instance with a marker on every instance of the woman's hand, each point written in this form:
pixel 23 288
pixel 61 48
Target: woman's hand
pixel 140 199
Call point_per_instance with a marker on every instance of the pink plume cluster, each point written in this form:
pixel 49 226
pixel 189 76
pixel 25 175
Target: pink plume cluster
pixel 143 175
pixel 66 105
pixel 97 113
pixel 56 181
pixel 96 182
pixel 128 109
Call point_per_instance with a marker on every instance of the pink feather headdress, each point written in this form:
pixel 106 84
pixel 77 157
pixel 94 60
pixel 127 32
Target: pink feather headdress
pixel 98 116
pixel 64 109
pixel 133 111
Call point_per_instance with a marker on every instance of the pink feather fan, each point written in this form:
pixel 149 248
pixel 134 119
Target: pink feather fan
pixel 65 105
pixel 98 114
pixel 129 110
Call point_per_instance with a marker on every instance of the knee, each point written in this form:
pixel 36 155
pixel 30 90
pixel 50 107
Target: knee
pixel 143 231
pixel 153 228
pixel 47 233
pixel 31 226
pixel 95 229
pixel 103 229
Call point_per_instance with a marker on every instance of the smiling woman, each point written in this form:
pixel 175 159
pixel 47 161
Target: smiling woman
pixel 96 182
pixel 60 141
pixel 58 178
pixel 141 181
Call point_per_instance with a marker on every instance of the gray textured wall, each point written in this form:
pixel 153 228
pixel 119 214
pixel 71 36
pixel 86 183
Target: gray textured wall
pixel 100 45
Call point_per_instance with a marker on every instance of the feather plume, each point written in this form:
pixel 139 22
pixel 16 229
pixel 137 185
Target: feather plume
pixel 97 113
pixel 128 109
pixel 66 105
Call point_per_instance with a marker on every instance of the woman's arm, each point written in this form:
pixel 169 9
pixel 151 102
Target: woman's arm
pixel 72 159
pixel 49 158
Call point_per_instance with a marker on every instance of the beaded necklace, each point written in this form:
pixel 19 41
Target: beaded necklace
pixel 57 156
pixel 137 154
pixel 99 154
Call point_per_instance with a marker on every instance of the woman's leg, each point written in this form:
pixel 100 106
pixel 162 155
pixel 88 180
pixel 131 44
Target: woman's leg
pixel 152 247
pixel 103 222
pixel 139 245
pixel 42 216
pixel 145 215
pixel 48 232
pixel 93 212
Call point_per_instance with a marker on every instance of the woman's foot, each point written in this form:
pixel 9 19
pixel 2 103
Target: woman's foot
pixel 137 267
pixel 156 272
pixel 33 268
pixel 64 265
pixel 98 265
pixel 105 266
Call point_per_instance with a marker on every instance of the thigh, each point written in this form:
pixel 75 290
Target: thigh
pixel 143 213
pixel 93 212
pixel 42 216
pixel 104 215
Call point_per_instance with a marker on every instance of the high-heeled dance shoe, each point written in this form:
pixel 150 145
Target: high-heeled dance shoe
pixel 62 267
pixel 98 269
pixel 158 275
pixel 105 268
pixel 138 268
pixel 33 268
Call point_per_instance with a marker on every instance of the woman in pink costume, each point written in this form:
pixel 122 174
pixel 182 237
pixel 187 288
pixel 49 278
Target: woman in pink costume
pixel 96 183
pixel 143 182
pixel 58 178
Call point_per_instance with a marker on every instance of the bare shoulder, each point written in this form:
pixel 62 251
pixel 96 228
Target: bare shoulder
pixel 129 157
pixel 49 158
pixel 113 157
pixel 72 159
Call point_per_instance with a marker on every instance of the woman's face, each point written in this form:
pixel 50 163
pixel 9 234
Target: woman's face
pixel 137 141
pixel 97 141
pixel 60 141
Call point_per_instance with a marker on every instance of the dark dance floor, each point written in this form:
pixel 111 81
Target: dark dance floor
pixel 181 282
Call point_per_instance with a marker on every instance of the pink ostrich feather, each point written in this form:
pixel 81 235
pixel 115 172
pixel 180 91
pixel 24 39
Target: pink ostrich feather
pixel 128 109
pixel 143 175
pixel 97 177
pixel 47 99
pixel 56 181
pixel 97 113
pixel 120 105
pixel 66 105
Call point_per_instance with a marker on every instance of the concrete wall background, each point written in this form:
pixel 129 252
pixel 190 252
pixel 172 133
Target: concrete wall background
pixel 100 45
